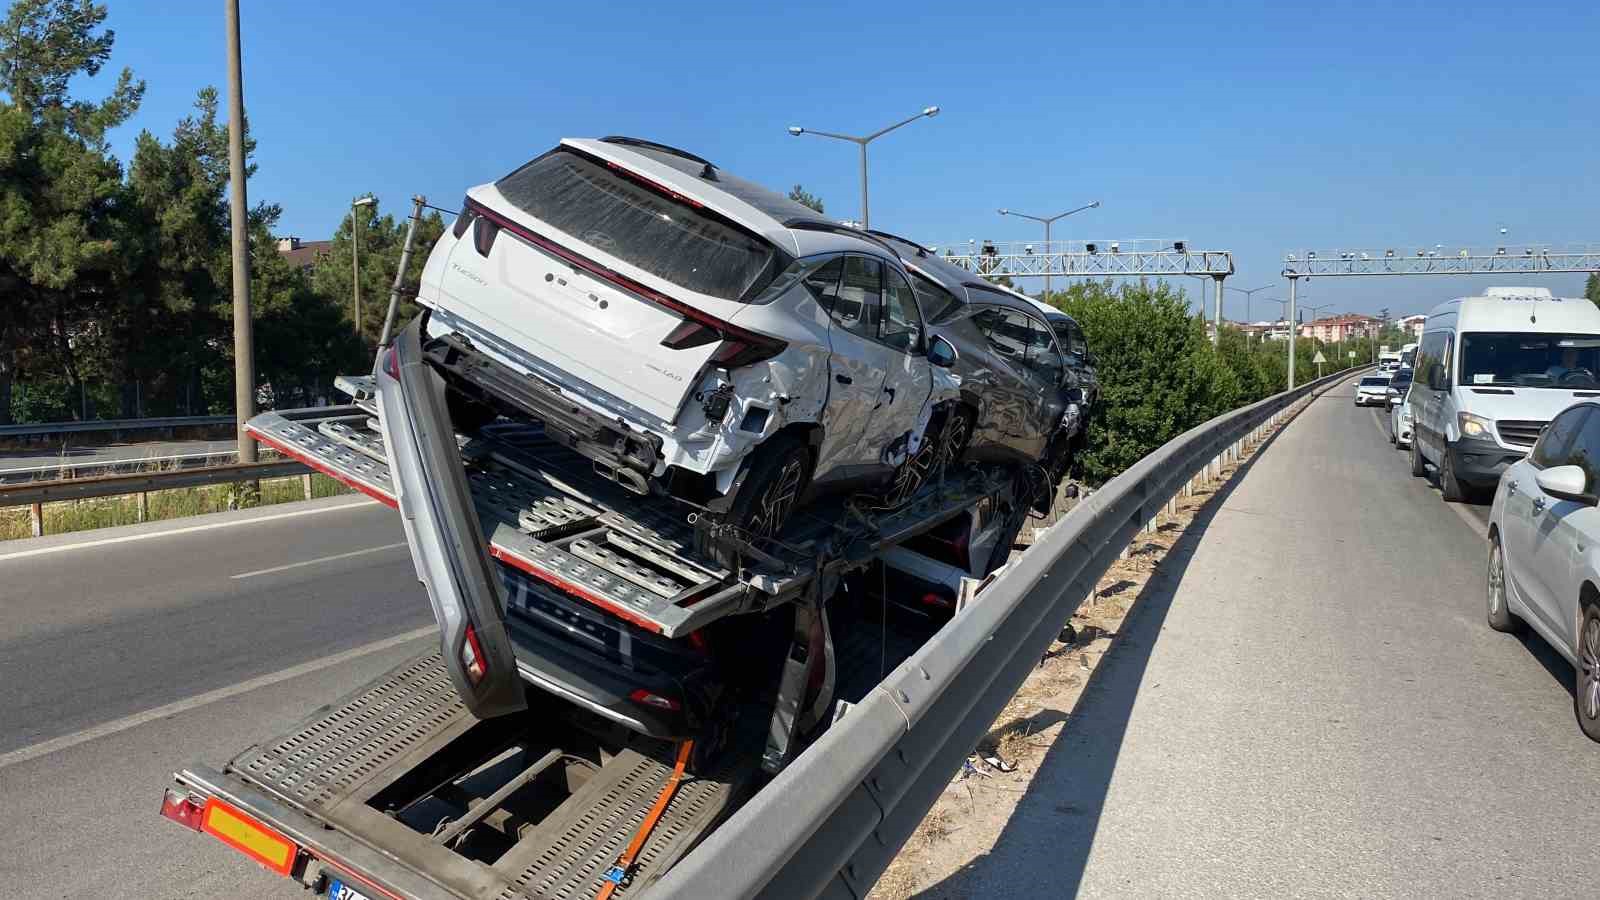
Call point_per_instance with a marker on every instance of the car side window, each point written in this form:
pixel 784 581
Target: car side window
pixel 1076 345
pixel 902 321
pixel 1043 357
pixel 823 282
pixel 860 295
pixel 1556 444
pixel 1008 333
pixel 936 301
pixel 1585 450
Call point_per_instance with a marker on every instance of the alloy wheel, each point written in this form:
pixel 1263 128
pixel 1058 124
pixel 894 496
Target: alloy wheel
pixel 1497 579
pixel 1590 660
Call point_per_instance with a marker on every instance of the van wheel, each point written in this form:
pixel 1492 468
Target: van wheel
pixel 1586 693
pixel 776 480
pixel 1500 616
pixel 1418 468
pixel 1451 489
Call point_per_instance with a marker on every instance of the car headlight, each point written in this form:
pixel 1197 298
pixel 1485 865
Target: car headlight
pixel 1474 426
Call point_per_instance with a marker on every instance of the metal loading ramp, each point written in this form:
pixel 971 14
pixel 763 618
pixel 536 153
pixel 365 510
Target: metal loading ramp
pixel 334 763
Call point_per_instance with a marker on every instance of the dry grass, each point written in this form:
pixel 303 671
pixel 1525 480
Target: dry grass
pixel 84 515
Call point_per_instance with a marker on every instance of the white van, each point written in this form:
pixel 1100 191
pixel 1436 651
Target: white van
pixel 1491 372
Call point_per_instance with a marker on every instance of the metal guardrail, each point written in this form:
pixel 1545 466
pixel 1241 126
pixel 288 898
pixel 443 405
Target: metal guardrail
pixel 831 822
pixel 43 428
pixel 141 482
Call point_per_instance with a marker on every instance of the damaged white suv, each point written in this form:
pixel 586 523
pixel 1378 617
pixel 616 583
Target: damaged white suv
pixel 690 332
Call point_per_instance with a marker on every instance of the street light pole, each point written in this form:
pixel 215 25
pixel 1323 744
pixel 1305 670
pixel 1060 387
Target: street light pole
pixel 1294 330
pixel 1048 220
pixel 244 358
pixel 862 141
pixel 1247 295
pixel 355 256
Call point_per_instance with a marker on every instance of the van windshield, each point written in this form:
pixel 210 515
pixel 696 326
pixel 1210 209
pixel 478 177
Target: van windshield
pixel 1530 360
pixel 627 219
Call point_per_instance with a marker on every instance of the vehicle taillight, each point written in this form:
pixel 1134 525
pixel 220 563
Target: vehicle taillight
pixel 472 657
pixel 646 698
pixel 181 809
pixel 391 363
pixel 483 234
pixel 690 333
pixel 737 352
pixel 464 220
pixel 933 598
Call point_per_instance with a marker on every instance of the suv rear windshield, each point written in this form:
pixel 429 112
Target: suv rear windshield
pixel 1535 360
pixel 625 218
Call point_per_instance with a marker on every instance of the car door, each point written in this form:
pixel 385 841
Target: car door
pixel 858 363
pixel 1007 332
pixel 1574 530
pixel 1047 371
pixel 907 380
pixel 1530 539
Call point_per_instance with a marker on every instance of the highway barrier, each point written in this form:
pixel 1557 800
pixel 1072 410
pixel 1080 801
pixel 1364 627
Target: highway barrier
pixel 829 824
pixel 41 429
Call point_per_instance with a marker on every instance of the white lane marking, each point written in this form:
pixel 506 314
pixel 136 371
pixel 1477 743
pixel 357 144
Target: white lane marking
pixel 171 709
pixel 77 545
pixel 320 559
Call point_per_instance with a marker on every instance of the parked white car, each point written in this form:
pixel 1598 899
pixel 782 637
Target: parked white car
pixel 1544 550
pixel 1400 409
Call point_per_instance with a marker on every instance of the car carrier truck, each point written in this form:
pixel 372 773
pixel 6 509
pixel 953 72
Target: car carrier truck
pixel 604 692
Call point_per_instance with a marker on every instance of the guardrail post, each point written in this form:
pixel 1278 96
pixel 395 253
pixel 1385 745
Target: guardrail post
pixel 305 485
pixel 143 507
pixel 36 519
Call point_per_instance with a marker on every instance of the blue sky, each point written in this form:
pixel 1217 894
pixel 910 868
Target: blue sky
pixel 1245 126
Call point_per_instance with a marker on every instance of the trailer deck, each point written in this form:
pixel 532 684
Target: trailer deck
pixel 545 511
pixel 367 773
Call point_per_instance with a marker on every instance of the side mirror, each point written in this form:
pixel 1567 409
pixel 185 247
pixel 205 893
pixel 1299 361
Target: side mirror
pixel 941 352
pixel 1565 482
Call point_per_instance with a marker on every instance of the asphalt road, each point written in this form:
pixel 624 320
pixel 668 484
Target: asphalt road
pixel 128 653
pixel 1307 702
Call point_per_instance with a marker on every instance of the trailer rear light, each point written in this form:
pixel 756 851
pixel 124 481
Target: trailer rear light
pixel 933 598
pixel 248 836
pixel 472 659
pixel 645 698
pixel 180 808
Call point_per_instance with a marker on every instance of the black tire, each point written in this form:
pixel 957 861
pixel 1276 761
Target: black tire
pixel 1450 488
pixel 1394 439
pixel 1011 528
pixel 1499 614
pixel 1057 460
pixel 1418 466
pixel 775 481
pixel 1586 690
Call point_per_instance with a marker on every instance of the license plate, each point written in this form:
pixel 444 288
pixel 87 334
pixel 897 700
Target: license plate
pixel 338 890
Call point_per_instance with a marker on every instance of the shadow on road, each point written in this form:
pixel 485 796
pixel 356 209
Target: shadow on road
pixel 1084 755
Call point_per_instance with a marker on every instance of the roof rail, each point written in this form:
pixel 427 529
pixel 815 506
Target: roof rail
pixel 836 228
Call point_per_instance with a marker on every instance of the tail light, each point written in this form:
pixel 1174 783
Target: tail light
pixel 690 333
pixel 933 598
pixel 483 234
pixel 472 659
pixel 464 220
pixel 646 698
pixel 391 363
pixel 180 808
pixel 746 350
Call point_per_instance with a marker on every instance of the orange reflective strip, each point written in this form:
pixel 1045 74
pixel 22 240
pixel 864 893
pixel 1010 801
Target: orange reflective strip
pixel 248 836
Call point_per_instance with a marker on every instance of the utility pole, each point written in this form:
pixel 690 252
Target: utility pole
pixel 1294 330
pixel 355 255
pixel 244 353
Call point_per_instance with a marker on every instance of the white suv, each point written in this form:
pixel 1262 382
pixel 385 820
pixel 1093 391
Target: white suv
pixel 689 331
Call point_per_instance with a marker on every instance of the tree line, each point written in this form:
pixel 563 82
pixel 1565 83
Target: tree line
pixel 115 280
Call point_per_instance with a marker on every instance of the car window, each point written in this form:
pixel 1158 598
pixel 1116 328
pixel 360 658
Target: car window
pixel 860 292
pixel 902 322
pixel 1008 334
pixel 823 282
pixel 1585 450
pixel 1555 445
pixel 1043 357
pixel 936 301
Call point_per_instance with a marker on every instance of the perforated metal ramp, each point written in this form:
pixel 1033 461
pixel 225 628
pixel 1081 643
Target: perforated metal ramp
pixel 332 757
pixel 565 856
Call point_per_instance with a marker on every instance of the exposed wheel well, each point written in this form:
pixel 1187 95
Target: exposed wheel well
pixel 1588 596
pixel 1494 532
